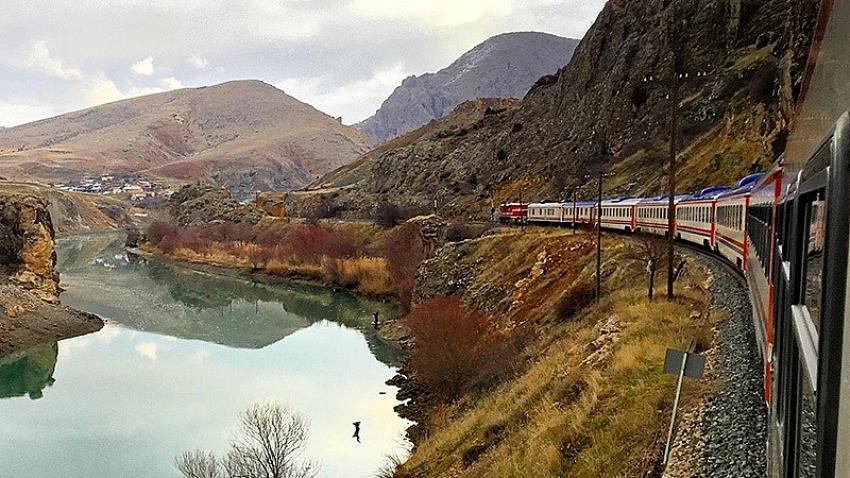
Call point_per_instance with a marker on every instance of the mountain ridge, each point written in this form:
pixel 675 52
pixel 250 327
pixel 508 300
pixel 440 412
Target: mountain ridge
pixel 240 129
pixel 503 66
pixel 600 113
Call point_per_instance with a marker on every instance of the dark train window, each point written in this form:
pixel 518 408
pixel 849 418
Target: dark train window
pixel 814 240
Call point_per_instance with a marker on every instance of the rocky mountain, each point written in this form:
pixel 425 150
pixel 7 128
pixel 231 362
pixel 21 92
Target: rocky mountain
pixel 247 134
pixel 610 109
pixel 504 66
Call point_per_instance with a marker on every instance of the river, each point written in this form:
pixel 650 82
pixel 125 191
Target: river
pixel 183 352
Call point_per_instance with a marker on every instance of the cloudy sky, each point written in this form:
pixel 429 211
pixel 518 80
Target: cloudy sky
pixel 342 56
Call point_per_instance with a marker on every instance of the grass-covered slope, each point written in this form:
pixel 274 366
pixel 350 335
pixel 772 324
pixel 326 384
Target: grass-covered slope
pixel 589 397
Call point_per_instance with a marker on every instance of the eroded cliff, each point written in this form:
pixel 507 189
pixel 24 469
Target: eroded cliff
pixel 27 245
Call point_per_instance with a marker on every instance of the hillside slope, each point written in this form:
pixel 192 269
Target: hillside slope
pixel 504 66
pixel 598 112
pixel 246 133
pixel 75 213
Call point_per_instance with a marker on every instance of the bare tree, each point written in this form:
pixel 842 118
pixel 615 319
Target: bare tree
pixel 652 251
pixel 270 444
pixel 199 464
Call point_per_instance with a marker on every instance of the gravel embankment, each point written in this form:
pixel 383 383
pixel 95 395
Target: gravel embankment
pixel 726 436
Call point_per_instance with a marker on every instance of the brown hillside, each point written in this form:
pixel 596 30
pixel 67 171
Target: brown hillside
pixel 247 133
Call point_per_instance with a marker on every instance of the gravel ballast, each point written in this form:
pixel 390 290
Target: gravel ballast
pixel 727 435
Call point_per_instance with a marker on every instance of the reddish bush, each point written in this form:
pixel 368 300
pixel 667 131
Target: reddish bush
pixel 267 236
pixel 311 242
pixel 240 233
pixel 259 256
pixel 404 252
pixel 158 230
pixel 193 238
pixel 169 243
pixel 455 348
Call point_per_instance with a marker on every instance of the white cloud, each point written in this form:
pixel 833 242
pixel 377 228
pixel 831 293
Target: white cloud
pixel 147 350
pixel 14 114
pixel 353 101
pixel 143 67
pixel 172 83
pixel 57 56
pixel 444 13
pixel 100 89
pixel 41 60
pixel 199 62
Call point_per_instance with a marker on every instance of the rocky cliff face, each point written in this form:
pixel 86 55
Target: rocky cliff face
pixel 26 245
pixel 504 66
pixel 743 76
pixel 202 204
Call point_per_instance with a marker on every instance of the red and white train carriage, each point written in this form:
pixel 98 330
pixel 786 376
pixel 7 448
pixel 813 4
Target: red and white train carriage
pixel 619 214
pixel 730 221
pixel 695 216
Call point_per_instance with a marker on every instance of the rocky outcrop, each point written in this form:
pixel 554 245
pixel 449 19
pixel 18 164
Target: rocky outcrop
pixel 26 244
pixel 610 108
pixel 201 204
pixel 504 66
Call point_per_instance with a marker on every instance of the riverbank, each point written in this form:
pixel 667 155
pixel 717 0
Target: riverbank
pixel 27 321
pixel 248 273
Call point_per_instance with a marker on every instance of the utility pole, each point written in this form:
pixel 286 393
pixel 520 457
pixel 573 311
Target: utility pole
pixel 575 213
pixel 599 240
pixel 671 183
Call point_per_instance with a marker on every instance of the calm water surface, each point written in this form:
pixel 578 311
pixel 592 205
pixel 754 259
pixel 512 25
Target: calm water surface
pixel 182 354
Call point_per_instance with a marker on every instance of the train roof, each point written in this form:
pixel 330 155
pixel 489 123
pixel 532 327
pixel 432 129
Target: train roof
pixel 663 199
pixel 744 186
pixel 707 194
pixel 627 201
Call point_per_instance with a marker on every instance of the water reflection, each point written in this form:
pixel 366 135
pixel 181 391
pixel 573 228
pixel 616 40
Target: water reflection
pixel 184 353
pixel 28 373
pixel 153 296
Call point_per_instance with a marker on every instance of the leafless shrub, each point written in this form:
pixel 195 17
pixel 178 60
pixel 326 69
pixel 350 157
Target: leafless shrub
pixel 652 252
pixel 270 442
pixel 199 464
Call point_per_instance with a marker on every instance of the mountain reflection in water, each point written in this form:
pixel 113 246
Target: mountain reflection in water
pixel 182 354
pixel 154 296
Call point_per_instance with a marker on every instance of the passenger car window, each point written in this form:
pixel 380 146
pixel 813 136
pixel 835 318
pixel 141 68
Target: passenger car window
pixel 815 230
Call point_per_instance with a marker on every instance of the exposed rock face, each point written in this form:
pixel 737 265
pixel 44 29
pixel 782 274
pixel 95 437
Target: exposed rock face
pixel 598 112
pixel 26 244
pixel 200 204
pixel 504 66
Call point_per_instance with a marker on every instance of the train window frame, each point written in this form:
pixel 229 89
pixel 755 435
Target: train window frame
pixel 825 174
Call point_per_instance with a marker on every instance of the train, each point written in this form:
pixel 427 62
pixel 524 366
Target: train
pixel 787 230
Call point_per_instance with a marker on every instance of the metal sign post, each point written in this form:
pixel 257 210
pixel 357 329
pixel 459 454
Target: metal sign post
pixel 683 364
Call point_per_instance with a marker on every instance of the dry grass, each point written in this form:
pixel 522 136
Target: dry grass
pixel 567 414
pixel 364 274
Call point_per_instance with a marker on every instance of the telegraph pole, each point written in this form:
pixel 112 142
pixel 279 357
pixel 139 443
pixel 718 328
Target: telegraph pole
pixel 575 213
pixel 599 240
pixel 671 183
